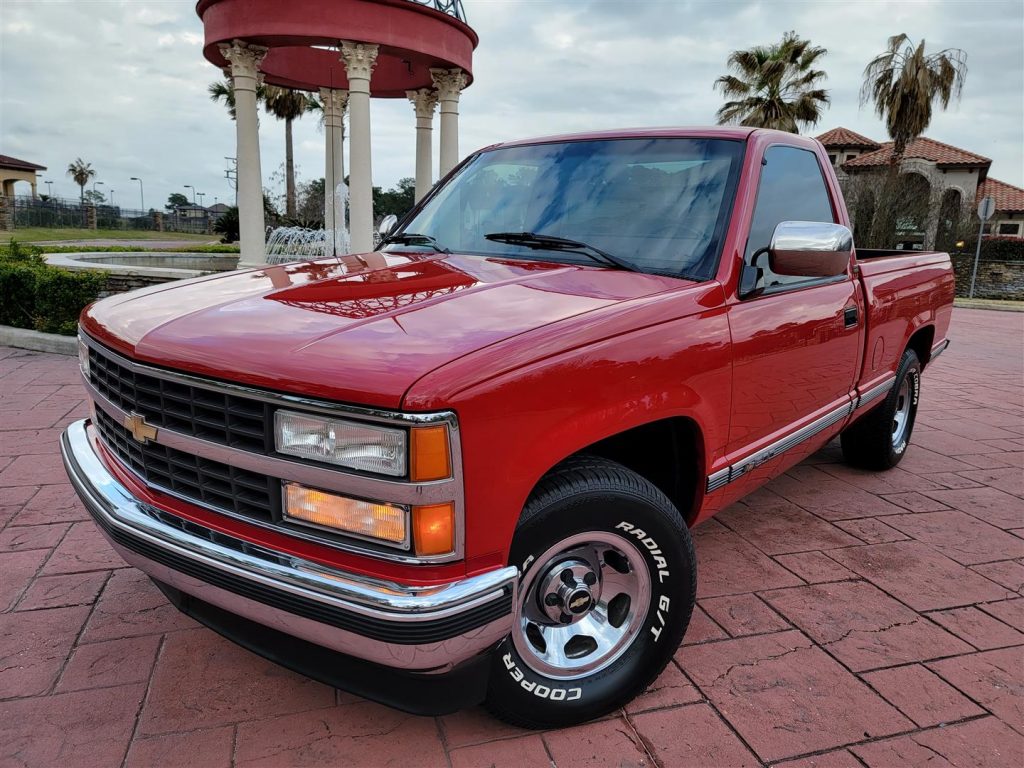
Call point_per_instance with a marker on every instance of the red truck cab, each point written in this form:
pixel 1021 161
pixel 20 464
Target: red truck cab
pixel 463 467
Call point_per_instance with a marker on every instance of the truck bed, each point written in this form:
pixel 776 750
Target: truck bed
pixel 878 261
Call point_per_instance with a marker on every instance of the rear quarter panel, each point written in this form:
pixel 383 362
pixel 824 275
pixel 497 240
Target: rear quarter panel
pixel 904 294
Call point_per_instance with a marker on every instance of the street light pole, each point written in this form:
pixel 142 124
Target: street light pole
pixel 189 186
pixel 100 183
pixel 200 195
pixel 49 189
pixel 111 197
pixel 142 199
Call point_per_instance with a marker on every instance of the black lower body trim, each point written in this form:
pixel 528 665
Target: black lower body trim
pixel 418 694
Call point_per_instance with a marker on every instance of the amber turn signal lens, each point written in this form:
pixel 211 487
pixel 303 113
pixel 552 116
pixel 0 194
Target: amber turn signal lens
pixel 429 458
pixel 363 518
pixel 434 529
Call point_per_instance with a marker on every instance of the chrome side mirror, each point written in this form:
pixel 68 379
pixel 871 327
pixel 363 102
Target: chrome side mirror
pixel 810 249
pixel 387 224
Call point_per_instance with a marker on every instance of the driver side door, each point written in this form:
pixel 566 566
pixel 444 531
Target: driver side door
pixel 796 339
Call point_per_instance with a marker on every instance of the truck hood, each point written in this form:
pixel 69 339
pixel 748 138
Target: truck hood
pixel 356 329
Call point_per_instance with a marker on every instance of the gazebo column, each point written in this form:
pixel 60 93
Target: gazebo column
pixel 334 102
pixel 449 84
pixel 245 64
pixel 359 60
pixel 424 101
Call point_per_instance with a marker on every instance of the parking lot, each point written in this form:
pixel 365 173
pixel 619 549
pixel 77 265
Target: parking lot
pixel 845 618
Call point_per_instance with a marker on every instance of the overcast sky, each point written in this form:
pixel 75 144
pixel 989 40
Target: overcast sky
pixel 123 83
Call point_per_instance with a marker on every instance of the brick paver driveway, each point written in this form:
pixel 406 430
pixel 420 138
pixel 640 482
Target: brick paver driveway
pixel 845 618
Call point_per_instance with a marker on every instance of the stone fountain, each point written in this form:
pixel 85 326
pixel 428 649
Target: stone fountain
pixel 287 244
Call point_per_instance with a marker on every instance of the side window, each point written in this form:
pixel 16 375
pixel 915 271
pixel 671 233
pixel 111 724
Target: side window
pixel 791 189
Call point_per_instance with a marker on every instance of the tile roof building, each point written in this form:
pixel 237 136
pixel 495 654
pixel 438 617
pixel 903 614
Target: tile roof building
pixel 956 177
pixel 13 170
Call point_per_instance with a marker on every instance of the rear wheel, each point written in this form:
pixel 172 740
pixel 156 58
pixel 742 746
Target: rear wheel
pixel 879 440
pixel 607 587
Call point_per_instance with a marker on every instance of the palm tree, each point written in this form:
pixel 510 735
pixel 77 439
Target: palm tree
pixel 904 83
pixel 223 90
pixel 774 86
pixel 81 172
pixel 287 105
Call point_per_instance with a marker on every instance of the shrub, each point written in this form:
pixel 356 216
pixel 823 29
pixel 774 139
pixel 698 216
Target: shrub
pixel 227 225
pixel 19 253
pixel 996 248
pixel 17 294
pixel 35 295
pixel 216 248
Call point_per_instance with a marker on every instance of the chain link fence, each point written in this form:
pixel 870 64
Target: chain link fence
pixel 63 213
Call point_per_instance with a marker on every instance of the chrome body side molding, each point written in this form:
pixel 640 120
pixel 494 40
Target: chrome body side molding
pixel 734 472
pixel 875 392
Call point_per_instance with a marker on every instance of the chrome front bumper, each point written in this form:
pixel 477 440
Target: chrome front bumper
pixel 416 629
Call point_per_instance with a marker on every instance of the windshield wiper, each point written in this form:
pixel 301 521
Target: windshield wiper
pixel 551 243
pixel 414 238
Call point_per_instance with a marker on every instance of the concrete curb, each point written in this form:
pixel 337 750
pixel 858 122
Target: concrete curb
pixel 1003 305
pixel 37 341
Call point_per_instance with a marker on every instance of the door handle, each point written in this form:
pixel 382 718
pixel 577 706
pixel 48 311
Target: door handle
pixel 849 317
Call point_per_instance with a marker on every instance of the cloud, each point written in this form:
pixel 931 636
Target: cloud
pixel 123 84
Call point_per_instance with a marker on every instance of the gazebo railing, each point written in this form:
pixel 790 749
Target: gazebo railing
pixel 451 7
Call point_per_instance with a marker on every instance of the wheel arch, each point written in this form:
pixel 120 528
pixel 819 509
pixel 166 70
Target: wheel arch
pixel 921 342
pixel 668 452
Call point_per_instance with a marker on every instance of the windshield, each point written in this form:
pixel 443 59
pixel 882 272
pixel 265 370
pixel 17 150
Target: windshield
pixel 659 205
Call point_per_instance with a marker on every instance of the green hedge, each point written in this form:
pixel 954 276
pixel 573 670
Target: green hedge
pixel 44 298
pixel 133 249
pixel 996 248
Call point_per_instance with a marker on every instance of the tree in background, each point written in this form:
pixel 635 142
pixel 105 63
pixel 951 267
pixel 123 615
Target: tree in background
pixel 774 86
pixel 224 91
pixel 398 200
pixel 904 83
pixel 176 200
pixel 81 172
pixel 227 225
pixel 287 105
pixel 93 197
pixel 310 205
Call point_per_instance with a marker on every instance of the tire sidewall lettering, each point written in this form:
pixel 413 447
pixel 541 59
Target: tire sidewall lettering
pixel 551 693
pixel 915 385
pixel 914 377
pixel 658 613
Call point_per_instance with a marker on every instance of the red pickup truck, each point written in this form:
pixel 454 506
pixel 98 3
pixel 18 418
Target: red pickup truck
pixel 463 467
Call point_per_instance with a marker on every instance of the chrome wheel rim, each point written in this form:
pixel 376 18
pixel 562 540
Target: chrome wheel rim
pixel 901 418
pixel 581 605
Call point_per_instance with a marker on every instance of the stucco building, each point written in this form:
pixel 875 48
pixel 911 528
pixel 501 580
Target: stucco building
pixel 954 179
pixel 13 170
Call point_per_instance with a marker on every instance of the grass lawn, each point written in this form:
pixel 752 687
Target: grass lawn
pixel 37 234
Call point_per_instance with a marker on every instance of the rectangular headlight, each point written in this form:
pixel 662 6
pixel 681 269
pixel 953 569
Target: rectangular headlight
pixel 346 443
pixel 373 520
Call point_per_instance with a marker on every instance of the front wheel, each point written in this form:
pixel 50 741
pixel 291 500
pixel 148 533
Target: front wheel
pixel 879 439
pixel 608 583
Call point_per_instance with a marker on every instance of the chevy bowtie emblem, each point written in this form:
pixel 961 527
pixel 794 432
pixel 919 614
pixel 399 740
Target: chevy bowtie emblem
pixel 141 431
